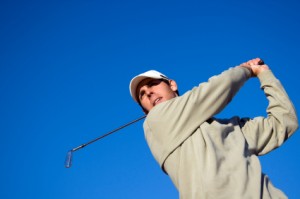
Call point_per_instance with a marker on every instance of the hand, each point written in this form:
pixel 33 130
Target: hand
pixel 256 66
pixel 256 61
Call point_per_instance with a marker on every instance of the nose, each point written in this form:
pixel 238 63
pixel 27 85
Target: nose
pixel 149 93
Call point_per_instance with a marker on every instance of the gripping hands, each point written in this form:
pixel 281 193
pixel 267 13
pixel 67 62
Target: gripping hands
pixel 256 66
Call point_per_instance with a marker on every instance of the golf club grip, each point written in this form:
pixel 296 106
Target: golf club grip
pixel 68 161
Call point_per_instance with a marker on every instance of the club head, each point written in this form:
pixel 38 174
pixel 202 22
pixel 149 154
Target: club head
pixel 68 161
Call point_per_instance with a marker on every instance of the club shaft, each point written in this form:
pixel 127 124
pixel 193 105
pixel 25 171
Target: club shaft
pixel 68 161
pixel 104 135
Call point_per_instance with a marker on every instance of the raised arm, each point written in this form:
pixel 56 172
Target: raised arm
pixel 212 97
pixel 266 134
pixel 170 123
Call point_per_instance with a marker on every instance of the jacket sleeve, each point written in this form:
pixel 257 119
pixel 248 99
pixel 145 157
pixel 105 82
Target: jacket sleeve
pixel 168 124
pixel 265 134
pixel 211 97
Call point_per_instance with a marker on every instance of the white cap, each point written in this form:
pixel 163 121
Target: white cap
pixel 137 79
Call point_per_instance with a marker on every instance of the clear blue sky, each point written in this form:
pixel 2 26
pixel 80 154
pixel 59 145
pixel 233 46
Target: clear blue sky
pixel 65 67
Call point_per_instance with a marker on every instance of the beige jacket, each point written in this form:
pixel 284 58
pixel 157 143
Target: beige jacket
pixel 211 158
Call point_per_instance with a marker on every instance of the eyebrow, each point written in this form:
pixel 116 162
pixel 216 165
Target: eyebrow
pixel 156 81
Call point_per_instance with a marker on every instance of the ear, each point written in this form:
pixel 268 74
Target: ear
pixel 173 85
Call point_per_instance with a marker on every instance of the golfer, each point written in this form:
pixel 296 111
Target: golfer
pixel 207 157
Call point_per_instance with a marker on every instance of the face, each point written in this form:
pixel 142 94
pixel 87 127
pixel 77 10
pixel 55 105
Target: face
pixel 151 92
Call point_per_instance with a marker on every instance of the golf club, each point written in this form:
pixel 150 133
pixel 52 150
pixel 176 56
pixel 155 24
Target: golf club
pixel 68 162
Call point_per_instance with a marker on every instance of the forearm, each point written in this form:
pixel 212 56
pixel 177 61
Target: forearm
pixel 265 134
pixel 281 112
pixel 211 97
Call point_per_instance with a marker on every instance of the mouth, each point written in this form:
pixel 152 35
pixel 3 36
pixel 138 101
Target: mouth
pixel 157 101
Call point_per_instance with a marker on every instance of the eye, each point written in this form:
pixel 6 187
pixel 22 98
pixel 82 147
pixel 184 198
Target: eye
pixel 142 93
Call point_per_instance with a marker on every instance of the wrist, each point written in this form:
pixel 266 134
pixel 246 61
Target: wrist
pixel 257 69
pixel 247 69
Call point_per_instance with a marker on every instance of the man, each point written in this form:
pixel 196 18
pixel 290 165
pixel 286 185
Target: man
pixel 206 157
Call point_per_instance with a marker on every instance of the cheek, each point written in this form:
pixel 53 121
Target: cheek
pixel 146 104
pixel 169 94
